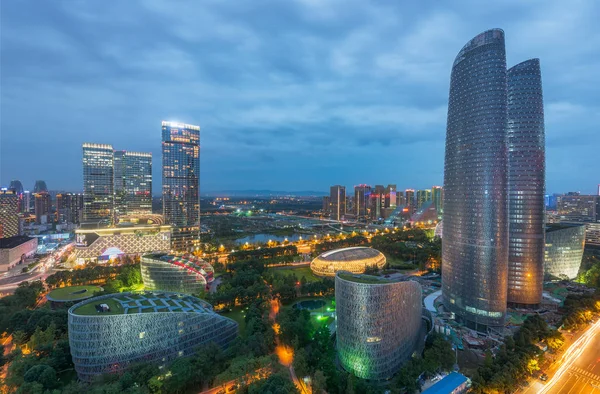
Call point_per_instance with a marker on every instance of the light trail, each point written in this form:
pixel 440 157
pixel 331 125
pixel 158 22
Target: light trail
pixel 570 356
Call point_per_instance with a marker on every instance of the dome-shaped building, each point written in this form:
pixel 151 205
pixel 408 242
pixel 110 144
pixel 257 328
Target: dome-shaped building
pixel 355 260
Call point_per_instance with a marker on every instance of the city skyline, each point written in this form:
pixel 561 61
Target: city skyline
pixel 260 116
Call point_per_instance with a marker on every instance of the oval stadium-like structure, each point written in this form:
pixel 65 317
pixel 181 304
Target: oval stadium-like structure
pixel 355 260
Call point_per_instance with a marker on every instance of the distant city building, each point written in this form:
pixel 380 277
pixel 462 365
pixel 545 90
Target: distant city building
pixel 400 199
pixel 422 197
pixel 437 196
pixel 69 207
pixel 98 183
pixel 102 244
pixel 355 260
pixel 26 201
pixel 439 229
pixel 181 183
pixel 182 274
pixel 526 184
pixel 40 187
pixel 337 197
pixel 362 194
pixel 326 204
pixel 409 195
pixel 378 323
pixel 132 182
pixel 426 215
pixel 14 250
pixel 43 206
pixel 564 250
pixel 109 334
pixel 475 247
pixel 579 208
pixel 9 213
pixel 592 235
pixel 16 186
pixel 377 202
pixel 390 196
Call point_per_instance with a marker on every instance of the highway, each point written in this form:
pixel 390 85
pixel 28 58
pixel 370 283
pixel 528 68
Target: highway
pixel 579 367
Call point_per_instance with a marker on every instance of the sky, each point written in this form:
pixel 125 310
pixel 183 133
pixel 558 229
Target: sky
pixel 289 95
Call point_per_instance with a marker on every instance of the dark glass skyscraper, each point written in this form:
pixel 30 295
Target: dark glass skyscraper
pixel 475 247
pixel 133 182
pixel 526 183
pixel 337 195
pixel 98 187
pixel 181 183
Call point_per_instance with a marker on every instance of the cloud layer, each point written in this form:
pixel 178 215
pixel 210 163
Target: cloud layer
pixel 289 95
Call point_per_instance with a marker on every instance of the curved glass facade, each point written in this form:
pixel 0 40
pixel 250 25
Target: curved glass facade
pixel 526 184
pixel 185 274
pixel 378 323
pixel 150 326
pixel 355 260
pixel 564 250
pixel 475 247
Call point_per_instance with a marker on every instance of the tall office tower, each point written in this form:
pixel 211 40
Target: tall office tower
pixel 98 186
pixel 362 193
pixel 43 204
pixel 132 182
pixel 181 183
pixel 9 210
pixel 377 202
pixel 69 208
pixel 422 197
pixel 400 199
pixel 337 196
pixel 119 183
pixel 475 247
pixel 437 196
pixel 26 202
pixel 410 198
pixel 326 203
pixel 526 183
pixel 40 186
pixel 390 196
pixel 17 187
pixel 599 189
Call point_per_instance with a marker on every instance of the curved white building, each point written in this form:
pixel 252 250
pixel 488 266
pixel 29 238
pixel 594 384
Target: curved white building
pixel 378 323
pixel 109 333
pixel 355 260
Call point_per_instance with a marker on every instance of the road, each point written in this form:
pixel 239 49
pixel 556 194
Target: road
pixel 578 370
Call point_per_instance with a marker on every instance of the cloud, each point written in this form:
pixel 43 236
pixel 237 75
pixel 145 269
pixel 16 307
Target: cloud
pixel 327 86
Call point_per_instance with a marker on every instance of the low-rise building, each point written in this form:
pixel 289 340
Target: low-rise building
pixel 14 250
pixel 564 250
pixel 101 244
pixel 183 274
pixel 354 259
pixel 454 383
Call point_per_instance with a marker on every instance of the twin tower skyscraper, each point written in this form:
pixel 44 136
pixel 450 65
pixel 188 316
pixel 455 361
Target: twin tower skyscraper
pixel 494 181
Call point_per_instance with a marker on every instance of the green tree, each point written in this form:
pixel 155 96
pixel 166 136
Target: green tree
pixel 42 374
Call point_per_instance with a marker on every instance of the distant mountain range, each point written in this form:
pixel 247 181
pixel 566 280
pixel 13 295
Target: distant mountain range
pixel 263 193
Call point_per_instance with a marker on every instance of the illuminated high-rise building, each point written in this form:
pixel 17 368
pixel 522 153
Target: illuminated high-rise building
pixel 400 199
pixel 9 210
pixel 410 198
pixel 98 183
pixel 526 184
pixel 17 187
pixel 377 202
pixel 437 196
pixel 132 182
pixel 43 205
pixel 69 207
pixel 181 183
pixel 390 196
pixel 422 197
pixel 475 247
pixel 361 201
pixel 337 199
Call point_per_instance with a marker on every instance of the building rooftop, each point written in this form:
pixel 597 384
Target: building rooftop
pixel 72 293
pixel 370 279
pixel 350 254
pixel 561 226
pixel 13 242
pixel 447 385
pixel 144 302
pixel 186 261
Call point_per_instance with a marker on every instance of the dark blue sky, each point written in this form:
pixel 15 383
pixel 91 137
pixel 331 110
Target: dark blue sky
pixel 289 95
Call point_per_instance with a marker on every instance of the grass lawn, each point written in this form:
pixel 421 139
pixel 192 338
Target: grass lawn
pixel 237 314
pixel 90 309
pixel 73 293
pixel 299 272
